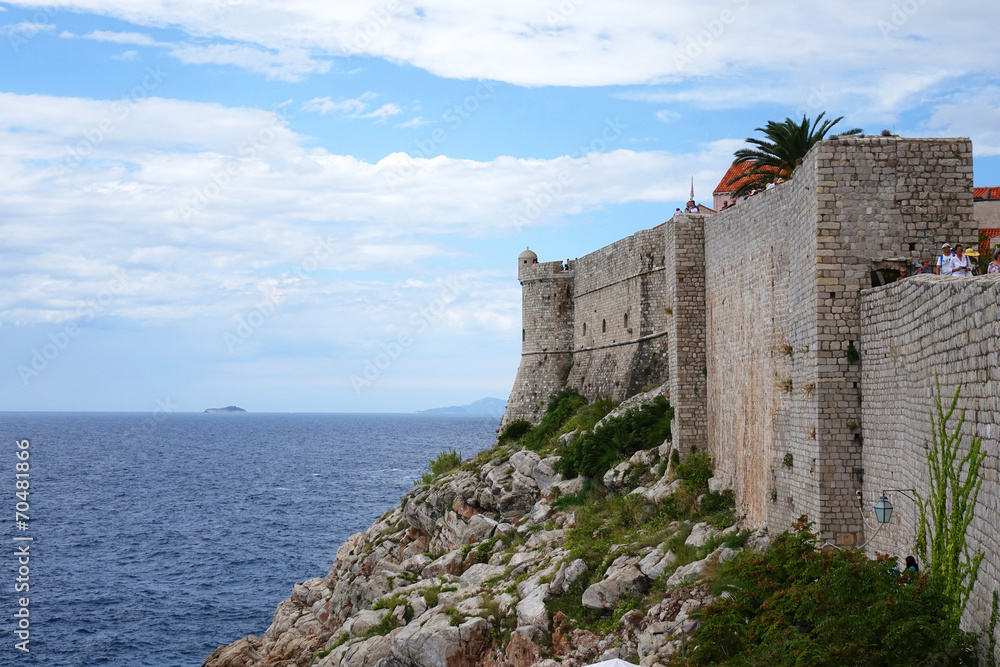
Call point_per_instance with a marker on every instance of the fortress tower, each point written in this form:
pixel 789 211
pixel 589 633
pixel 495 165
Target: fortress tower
pixel 546 335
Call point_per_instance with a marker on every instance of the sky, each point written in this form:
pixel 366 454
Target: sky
pixel 302 206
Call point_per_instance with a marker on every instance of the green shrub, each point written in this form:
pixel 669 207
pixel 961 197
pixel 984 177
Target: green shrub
pixel 695 470
pixel 794 605
pixel 561 407
pixel 444 462
pixel 590 414
pixel 514 431
pixel 387 625
pixel 594 452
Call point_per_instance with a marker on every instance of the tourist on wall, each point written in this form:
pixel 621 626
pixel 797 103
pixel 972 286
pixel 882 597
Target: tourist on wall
pixel 962 266
pixel 995 264
pixel 922 267
pixel 945 262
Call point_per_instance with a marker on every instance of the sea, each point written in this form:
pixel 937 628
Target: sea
pixel 154 539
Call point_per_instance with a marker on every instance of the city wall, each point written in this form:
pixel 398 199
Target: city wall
pixel 806 384
pixel 916 332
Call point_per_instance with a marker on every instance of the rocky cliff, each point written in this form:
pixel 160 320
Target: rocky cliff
pixel 500 563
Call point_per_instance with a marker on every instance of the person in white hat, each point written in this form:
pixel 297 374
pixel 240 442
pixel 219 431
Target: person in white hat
pixel 945 262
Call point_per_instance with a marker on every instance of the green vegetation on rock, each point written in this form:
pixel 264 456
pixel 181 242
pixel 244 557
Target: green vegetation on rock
pixel 795 605
pixel 594 452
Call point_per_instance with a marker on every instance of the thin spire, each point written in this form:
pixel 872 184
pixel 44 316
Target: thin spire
pixel 692 188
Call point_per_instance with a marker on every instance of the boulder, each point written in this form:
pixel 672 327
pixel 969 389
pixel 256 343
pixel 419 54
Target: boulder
pixel 614 479
pixel 662 490
pixel 450 563
pixel 546 539
pixel 690 572
pixel 541 511
pixel 435 642
pixel 569 487
pixel 544 473
pixel 521 650
pixel 759 541
pixel 242 653
pixel 478 573
pixel 481 528
pixel 606 594
pixel 415 564
pixel 567 574
pixel 364 621
pixel 655 562
pixel 700 534
pixel 531 609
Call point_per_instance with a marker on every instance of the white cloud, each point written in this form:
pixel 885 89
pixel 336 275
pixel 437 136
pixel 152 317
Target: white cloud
pixel 971 114
pixel 352 108
pixel 586 44
pixel 127 55
pixel 202 226
pixel 348 107
pixel 418 121
pixel 25 28
pixel 138 39
pixel 280 65
pixel 383 112
pixel 667 116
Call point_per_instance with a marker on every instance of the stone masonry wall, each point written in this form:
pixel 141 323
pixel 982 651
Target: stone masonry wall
pixel 619 334
pixel 754 315
pixel 783 320
pixel 546 338
pixel 762 409
pixel 913 331
pixel 685 289
pixel 599 326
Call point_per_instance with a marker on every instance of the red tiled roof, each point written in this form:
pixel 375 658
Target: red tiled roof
pixel 986 193
pixel 735 171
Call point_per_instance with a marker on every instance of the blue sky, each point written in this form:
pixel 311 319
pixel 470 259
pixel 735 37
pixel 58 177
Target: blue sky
pixel 291 206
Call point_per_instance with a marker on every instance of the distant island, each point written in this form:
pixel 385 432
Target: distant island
pixel 228 408
pixel 484 406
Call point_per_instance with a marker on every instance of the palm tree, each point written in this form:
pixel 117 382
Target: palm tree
pixel 783 148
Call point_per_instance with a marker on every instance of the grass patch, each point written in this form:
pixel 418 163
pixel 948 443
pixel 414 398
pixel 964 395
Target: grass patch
pixel 387 625
pixel 561 408
pixel 444 462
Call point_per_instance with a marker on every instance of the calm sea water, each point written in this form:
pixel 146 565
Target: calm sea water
pixel 155 541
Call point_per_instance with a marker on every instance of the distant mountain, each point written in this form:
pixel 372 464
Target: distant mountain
pixel 484 406
pixel 228 408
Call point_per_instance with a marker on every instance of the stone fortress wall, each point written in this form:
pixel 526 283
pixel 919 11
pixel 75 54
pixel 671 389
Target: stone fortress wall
pixel 914 332
pixel 755 314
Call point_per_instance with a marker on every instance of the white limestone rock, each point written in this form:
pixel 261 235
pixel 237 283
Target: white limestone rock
pixel 700 534
pixel 478 573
